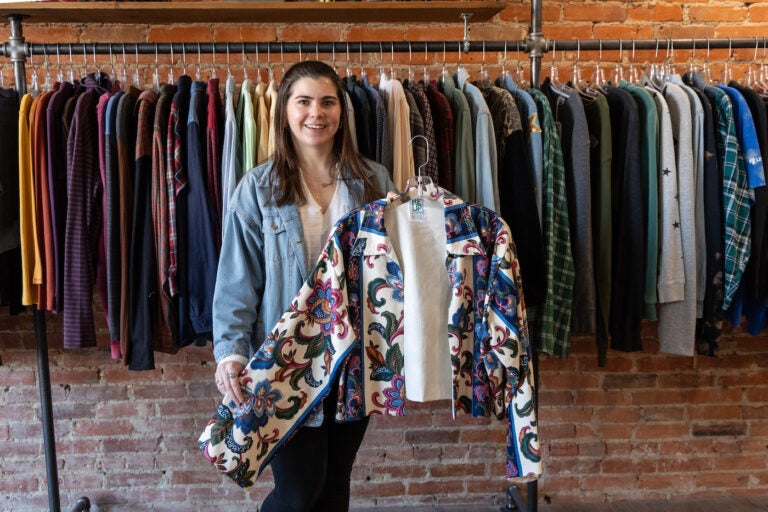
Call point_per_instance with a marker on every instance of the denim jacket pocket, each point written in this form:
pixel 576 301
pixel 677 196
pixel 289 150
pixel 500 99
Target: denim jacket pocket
pixel 276 240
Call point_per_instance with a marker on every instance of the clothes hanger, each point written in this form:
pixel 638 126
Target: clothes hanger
pixel 137 80
pixel 750 78
pixel 349 67
pixel 71 74
pixel 761 86
pixel 198 75
pixel 47 80
pixel 183 59
pixel 419 182
pixel 706 70
pixel 519 74
pixel 618 71
pixel 577 80
pixel 229 68
pixel 668 71
pixel 258 67
pixel 156 74
pixel 34 83
pixel 633 74
pixel 363 74
pixel 171 78
pixel 59 70
pixel 213 60
pixel 554 81
pixel 727 67
pixel 425 74
pixel 270 71
pixel 410 63
pixel 654 78
pixel 245 69
pixel 392 62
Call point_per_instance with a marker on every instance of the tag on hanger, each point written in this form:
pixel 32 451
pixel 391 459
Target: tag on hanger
pixel 416 210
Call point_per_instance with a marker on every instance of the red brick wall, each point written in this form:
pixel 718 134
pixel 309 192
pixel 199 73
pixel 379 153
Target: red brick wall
pixel 648 425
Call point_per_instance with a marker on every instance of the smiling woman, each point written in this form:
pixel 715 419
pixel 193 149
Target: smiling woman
pixel 315 176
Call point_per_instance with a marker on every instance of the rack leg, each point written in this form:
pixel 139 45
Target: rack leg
pixel 515 501
pixel 82 505
pixel 46 411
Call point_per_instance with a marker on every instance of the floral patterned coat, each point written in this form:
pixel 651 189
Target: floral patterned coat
pixel 345 328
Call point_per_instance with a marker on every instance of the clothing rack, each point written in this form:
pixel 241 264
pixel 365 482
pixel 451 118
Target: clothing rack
pixel 535 45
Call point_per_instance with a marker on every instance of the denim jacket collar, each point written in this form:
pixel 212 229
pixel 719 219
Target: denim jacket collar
pixel 291 219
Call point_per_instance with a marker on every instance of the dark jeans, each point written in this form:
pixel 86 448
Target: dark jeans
pixel 311 471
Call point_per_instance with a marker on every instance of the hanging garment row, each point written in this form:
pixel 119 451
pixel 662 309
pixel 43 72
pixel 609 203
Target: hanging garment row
pixel 117 188
pixel 539 186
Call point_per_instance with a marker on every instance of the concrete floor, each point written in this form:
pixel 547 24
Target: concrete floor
pixel 749 504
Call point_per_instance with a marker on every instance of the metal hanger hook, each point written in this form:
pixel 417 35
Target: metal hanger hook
pixel 418 171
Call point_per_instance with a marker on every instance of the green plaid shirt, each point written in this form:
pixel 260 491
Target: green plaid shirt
pixel 737 196
pixel 555 333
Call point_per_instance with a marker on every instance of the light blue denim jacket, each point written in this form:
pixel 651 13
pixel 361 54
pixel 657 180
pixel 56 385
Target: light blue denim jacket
pixel 262 263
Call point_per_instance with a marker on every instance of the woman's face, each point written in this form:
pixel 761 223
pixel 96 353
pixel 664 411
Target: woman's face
pixel 313 113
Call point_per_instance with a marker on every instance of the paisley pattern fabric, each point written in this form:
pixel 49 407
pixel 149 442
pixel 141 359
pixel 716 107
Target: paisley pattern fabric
pixel 345 329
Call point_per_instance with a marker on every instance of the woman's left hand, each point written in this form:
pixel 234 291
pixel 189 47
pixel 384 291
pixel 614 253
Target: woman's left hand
pixel 228 380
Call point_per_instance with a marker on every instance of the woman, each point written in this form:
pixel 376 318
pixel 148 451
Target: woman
pixel 278 220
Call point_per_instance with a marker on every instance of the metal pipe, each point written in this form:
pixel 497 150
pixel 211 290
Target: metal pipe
pixel 536 43
pixel 16 50
pixel 46 410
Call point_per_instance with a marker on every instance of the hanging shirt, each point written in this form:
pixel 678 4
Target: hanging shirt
pixel 44 219
pixel 555 329
pixel 445 137
pixel 574 138
pixel 126 147
pixel 231 164
pixel 10 252
pixel 57 182
pixel 262 121
pixel 486 162
pixel 213 140
pixel 464 160
pixel 649 165
pixel 697 126
pixel 677 321
pixel 201 254
pixel 671 274
pixel 398 130
pixel 166 330
pixel 756 273
pixel 142 264
pixel 271 102
pixel 112 221
pixel 30 256
pixel 383 152
pixel 425 110
pixel 628 281
pixel 357 288
pixel 83 219
pixel 599 123
pixel 417 142
pixel 246 124
pixel 737 197
pixel 530 117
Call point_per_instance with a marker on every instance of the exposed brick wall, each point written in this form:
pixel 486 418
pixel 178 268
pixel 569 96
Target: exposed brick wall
pixel 647 425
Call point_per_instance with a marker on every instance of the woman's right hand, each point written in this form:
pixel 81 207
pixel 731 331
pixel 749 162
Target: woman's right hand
pixel 228 380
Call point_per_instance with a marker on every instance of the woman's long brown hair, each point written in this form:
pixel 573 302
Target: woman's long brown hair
pixel 285 178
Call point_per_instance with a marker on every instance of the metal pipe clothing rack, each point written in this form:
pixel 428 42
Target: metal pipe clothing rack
pixel 535 45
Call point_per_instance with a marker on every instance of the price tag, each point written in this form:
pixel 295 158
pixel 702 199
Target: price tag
pixel 417 211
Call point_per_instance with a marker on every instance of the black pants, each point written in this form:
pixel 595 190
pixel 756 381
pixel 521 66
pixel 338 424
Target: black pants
pixel 312 469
